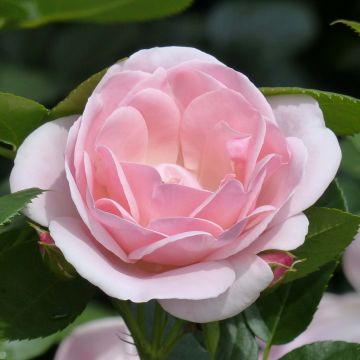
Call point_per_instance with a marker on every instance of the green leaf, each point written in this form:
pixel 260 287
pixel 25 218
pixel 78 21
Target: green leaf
pixel 11 204
pixel 75 102
pixel 237 342
pixel 31 13
pixel 350 148
pixel 351 24
pixel 34 302
pixel 18 118
pixel 188 348
pixel 325 350
pixel 330 232
pixel 28 349
pixel 333 197
pixel 341 112
pixel 288 310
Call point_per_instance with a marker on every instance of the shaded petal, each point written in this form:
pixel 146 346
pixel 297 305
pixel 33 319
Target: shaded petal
pixel 177 250
pixel 181 76
pixel 238 82
pixel 206 112
pixel 300 116
pixel 40 162
pixel 252 276
pixel 156 199
pixel 126 281
pixel 283 182
pixel 99 339
pixel 176 225
pixel 125 133
pixel 286 236
pixel 224 206
pixel 127 234
pixel 244 233
pixel 162 120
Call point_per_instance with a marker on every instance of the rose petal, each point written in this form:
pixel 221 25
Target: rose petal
pixel 162 120
pixel 99 339
pixel 206 112
pixel 164 57
pixel 300 116
pixel 285 236
pixel 40 162
pixel 125 133
pixel 181 76
pixel 224 206
pixel 177 250
pixel 252 276
pixel 238 82
pixel 124 281
pixel 176 225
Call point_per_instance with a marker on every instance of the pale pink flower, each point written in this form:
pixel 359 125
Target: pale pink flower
pixel 105 339
pixel 176 176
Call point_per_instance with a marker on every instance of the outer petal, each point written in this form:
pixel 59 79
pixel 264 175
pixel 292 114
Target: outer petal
pixel 124 281
pixel 166 57
pixel 337 319
pixel 300 116
pixel 252 276
pixel 287 235
pixel 40 162
pixel 351 263
pixel 105 339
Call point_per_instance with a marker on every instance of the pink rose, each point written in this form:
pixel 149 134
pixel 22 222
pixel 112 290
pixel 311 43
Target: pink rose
pixel 105 339
pixel 176 176
pixel 337 319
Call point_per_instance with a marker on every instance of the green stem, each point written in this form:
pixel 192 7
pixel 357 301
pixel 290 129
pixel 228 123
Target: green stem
pixel 142 345
pixel 176 332
pixel 141 316
pixel 7 153
pixel 158 327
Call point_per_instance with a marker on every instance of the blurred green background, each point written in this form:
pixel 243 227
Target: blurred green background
pixel 275 43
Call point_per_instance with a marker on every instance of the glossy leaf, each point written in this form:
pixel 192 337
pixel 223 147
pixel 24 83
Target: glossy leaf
pixel 341 112
pixel 28 349
pixel 325 350
pixel 18 118
pixel 333 197
pixel 34 302
pixel 354 25
pixel 31 13
pixel 237 342
pixel 11 204
pixel 188 348
pixel 289 309
pixel 75 102
pixel 330 232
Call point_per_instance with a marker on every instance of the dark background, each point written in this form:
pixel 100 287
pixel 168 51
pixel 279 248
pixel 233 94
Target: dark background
pixel 275 43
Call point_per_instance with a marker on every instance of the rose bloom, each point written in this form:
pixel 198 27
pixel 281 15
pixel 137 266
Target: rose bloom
pixel 105 339
pixel 178 174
